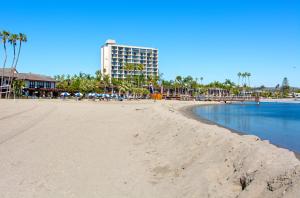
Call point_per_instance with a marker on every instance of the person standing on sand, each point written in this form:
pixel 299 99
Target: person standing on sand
pixel 151 88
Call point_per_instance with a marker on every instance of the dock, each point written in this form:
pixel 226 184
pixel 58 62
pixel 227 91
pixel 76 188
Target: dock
pixel 232 98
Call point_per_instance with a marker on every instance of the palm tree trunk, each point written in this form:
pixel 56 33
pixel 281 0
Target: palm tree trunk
pixel 16 62
pixel 248 81
pixel 18 55
pixel 4 63
pixel 10 76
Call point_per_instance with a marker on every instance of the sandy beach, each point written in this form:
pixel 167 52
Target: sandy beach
pixel 54 148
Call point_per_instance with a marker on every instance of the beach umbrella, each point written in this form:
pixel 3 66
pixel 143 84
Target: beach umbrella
pixel 78 94
pixel 91 94
pixel 64 94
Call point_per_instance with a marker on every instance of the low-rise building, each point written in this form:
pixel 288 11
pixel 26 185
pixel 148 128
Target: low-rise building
pixel 34 84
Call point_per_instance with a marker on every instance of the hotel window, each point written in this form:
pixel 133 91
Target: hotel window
pixel 31 84
pixel 48 85
pixel 40 84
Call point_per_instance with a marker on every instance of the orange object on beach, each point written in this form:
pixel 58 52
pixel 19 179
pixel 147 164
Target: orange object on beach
pixel 156 96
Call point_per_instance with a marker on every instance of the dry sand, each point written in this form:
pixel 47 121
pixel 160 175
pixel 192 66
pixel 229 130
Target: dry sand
pixel 53 148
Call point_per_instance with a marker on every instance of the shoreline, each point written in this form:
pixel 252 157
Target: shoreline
pixel 282 100
pixel 188 112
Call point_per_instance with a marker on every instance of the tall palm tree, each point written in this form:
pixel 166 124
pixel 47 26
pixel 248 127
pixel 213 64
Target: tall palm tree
pixel 98 75
pixel 201 79
pixel 129 68
pixel 248 75
pixel 106 81
pixel 239 75
pixel 178 81
pixel 140 68
pixel 187 81
pixel 244 75
pixel 22 38
pixel 4 38
pixel 1 35
pixel 13 41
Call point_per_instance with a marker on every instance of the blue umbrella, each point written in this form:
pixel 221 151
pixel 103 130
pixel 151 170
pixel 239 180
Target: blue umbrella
pixel 99 95
pixel 64 94
pixel 78 94
pixel 92 95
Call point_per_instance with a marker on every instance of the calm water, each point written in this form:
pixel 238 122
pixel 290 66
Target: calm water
pixel 277 122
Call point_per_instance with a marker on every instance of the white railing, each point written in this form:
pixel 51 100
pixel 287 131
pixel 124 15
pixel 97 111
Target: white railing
pixel 6 87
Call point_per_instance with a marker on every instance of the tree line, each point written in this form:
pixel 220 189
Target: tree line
pixel 137 83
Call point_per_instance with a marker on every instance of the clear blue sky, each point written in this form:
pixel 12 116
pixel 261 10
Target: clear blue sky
pixel 213 39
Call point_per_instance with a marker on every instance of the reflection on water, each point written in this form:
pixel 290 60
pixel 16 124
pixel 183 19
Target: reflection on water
pixel 277 122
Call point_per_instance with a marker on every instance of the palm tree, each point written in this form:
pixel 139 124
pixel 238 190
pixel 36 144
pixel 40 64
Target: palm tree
pixel 4 38
pixel 244 75
pixel 106 81
pixel 248 75
pixel 22 38
pixel 13 41
pixel 187 81
pixel 140 68
pixel 98 77
pixel 129 68
pixel 18 86
pixel 201 79
pixel 239 75
pixel 178 80
pixel 229 85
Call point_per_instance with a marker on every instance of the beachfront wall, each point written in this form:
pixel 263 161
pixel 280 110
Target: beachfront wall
pixel 114 57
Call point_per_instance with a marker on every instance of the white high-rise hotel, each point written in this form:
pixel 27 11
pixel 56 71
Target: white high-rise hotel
pixel 114 57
